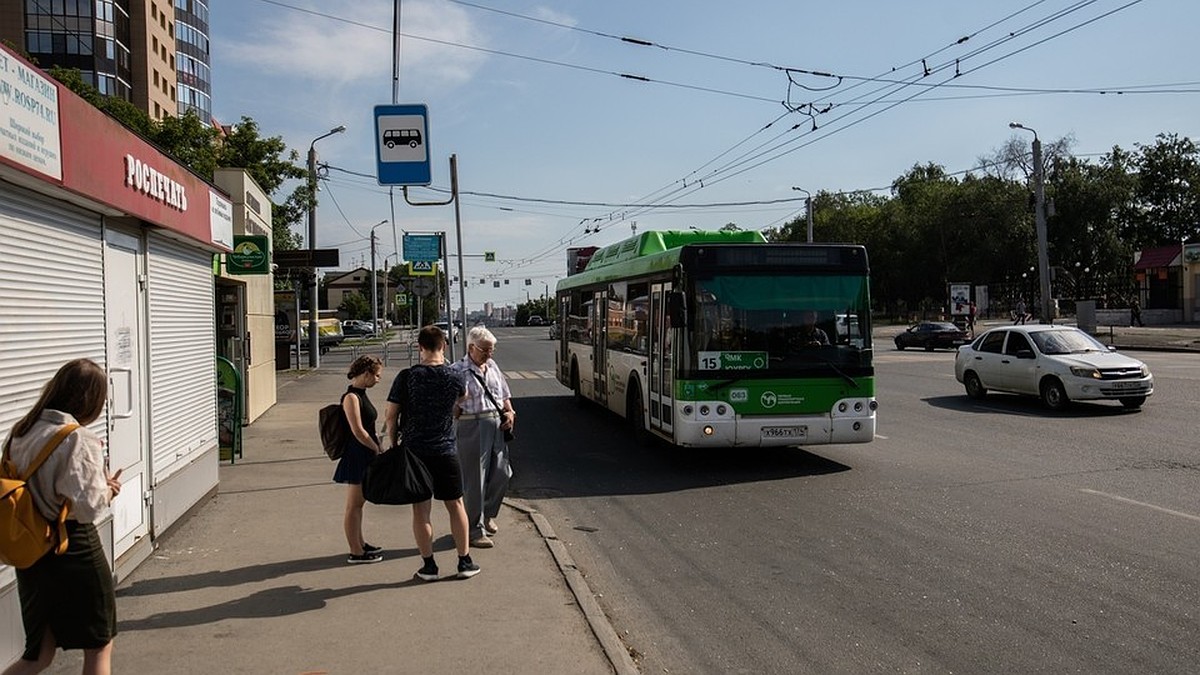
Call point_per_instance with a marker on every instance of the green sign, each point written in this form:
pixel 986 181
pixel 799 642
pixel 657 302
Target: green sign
pixel 733 360
pixel 251 254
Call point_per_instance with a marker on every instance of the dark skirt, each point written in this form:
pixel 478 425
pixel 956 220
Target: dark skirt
pixel 71 594
pixel 353 465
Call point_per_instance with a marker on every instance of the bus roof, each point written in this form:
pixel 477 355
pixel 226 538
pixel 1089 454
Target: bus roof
pixel 650 252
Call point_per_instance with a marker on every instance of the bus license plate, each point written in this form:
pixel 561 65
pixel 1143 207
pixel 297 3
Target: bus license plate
pixel 784 432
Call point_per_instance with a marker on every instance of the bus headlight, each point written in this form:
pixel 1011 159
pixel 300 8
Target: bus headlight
pixel 842 407
pixel 858 406
pixel 708 430
pixel 721 410
pixel 704 411
pixel 688 410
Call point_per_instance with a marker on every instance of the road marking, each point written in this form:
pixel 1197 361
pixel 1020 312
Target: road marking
pixel 881 437
pixel 1127 500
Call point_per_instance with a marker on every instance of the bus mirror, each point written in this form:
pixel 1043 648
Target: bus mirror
pixel 675 309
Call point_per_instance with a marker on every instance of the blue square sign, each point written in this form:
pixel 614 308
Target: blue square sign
pixel 402 144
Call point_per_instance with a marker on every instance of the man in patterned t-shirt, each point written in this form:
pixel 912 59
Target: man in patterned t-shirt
pixel 428 430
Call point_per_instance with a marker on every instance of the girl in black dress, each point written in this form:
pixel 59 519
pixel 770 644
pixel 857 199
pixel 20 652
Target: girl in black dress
pixel 360 450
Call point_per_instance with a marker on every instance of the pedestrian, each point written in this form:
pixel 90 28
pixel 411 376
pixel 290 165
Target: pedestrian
pixel 1021 314
pixel 1135 313
pixel 67 600
pixel 971 317
pixel 483 417
pixel 362 446
pixel 420 410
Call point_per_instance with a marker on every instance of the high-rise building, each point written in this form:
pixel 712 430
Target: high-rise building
pixel 192 58
pixel 152 53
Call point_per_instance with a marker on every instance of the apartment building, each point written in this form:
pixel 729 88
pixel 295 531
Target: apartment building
pixel 152 53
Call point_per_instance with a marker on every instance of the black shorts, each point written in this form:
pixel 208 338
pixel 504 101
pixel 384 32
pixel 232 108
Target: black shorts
pixel 446 473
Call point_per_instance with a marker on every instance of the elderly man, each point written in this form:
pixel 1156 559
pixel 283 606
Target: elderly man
pixel 483 417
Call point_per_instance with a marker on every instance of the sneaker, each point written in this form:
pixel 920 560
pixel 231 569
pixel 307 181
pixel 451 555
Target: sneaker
pixel 466 568
pixel 490 526
pixel 364 559
pixel 482 541
pixel 428 572
pixel 367 548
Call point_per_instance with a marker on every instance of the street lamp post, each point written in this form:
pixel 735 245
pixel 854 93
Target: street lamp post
pixel 375 281
pixel 808 204
pixel 1039 215
pixel 314 342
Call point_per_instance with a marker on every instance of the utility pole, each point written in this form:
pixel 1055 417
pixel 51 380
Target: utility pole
pixel 808 206
pixel 1039 216
pixel 375 282
pixel 314 340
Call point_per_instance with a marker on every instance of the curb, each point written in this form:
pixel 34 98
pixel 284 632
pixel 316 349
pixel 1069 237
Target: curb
pixel 614 649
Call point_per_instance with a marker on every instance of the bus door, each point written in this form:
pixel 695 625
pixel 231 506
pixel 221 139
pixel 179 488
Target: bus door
pixel 661 382
pixel 600 346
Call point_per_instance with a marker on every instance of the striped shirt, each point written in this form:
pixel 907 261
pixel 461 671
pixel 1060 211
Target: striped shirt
pixel 476 402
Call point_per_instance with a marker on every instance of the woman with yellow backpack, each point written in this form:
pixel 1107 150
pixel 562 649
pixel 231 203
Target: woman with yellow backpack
pixel 67 598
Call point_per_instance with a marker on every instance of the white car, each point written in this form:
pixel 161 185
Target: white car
pixel 1058 364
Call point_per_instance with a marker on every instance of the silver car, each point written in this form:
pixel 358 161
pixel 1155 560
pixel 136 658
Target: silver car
pixel 1058 364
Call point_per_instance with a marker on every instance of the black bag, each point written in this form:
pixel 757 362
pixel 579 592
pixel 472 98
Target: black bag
pixel 397 477
pixel 335 429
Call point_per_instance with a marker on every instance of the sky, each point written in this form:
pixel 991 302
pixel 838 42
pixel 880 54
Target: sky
pixel 579 122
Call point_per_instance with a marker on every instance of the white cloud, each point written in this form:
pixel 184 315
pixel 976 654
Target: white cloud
pixel 291 43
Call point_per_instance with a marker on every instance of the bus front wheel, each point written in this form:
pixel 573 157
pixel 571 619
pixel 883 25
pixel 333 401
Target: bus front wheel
pixel 635 415
pixel 575 390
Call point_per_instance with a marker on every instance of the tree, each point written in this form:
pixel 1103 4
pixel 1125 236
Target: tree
pixel 1167 197
pixel 356 306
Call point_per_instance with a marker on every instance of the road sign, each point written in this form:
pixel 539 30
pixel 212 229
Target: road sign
pixel 321 257
pixel 425 247
pixel 422 268
pixel 423 286
pixel 402 144
pixel 402 299
pixel 489 256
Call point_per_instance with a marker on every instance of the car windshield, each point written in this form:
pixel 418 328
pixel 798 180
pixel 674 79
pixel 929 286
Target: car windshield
pixel 1072 341
pixel 942 327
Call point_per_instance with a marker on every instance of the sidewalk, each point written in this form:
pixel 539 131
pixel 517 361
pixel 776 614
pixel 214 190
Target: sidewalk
pixel 256 581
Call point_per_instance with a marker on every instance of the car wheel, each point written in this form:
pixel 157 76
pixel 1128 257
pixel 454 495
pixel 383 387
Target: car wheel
pixel 975 388
pixel 1133 401
pixel 928 346
pixel 1053 395
pixel 576 391
pixel 899 345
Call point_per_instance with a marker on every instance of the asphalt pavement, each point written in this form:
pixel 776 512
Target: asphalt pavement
pixel 256 580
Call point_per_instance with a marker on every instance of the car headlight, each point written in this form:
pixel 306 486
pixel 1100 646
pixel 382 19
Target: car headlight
pixel 1145 370
pixel 1083 371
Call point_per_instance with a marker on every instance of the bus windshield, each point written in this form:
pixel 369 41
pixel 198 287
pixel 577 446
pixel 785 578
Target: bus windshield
pixel 786 325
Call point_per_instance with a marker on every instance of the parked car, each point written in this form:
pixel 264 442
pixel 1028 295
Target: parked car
pixel 931 335
pixel 1059 364
pixel 329 334
pixel 535 320
pixel 355 327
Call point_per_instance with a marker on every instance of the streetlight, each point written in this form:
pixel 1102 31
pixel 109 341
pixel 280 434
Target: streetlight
pixel 808 208
pixel 375 281
pixel 1039 214
pixel 314 351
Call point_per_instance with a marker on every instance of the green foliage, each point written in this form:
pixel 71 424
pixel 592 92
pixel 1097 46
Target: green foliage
pixel 356 306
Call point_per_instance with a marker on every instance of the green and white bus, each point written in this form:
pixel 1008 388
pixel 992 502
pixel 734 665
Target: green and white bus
pixel 706 339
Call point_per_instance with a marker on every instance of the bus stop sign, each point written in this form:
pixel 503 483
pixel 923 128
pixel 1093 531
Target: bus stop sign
pixel 402 144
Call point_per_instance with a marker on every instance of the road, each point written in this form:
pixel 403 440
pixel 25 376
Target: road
pixel 970 536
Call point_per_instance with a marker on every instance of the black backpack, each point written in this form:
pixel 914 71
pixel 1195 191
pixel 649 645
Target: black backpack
pixel 335 429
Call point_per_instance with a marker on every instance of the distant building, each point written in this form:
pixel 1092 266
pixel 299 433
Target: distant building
pixel 152 53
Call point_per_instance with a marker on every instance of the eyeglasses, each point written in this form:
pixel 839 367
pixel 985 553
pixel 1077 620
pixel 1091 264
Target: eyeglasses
pixel 486 350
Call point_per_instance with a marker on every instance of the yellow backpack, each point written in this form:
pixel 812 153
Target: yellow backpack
pixel 25 534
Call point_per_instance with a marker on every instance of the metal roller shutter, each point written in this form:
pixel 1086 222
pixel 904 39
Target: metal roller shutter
pixel 183 391
pixel 52 291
